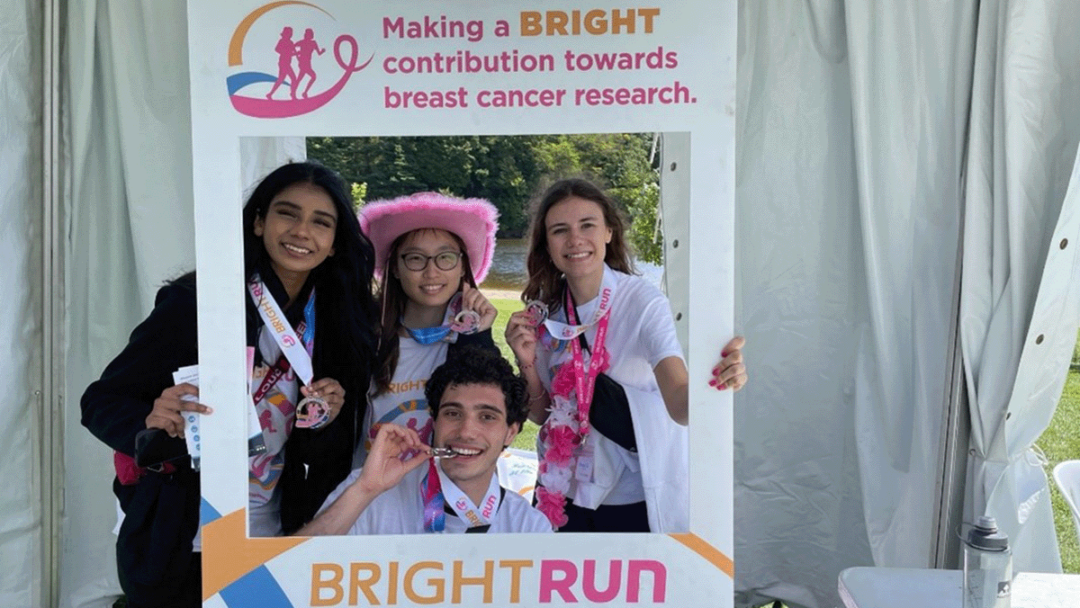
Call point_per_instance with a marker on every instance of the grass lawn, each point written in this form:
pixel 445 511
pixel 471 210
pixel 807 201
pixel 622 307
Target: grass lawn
pixel 526 439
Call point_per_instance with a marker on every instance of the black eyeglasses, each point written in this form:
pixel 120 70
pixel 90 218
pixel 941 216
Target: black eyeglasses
pixel 447 260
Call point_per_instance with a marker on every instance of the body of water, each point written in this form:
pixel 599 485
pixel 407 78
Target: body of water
pixel 508 267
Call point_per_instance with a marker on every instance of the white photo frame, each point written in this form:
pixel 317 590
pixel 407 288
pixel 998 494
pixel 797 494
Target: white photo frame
pixel 692 90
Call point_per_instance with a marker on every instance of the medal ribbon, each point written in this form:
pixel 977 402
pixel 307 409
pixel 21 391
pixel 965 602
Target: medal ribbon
pixel 571 330
pixel 270 379
pixel 585 383
pixel 431 335
pixel 431 493
pixel 297 351
pixel 463 506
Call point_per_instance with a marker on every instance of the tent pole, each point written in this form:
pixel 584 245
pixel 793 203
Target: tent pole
pixel 50 395
pixel 955 436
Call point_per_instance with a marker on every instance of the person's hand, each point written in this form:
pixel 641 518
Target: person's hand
pixel 384 468
pixel 521 337
pixel 730 373
pixel 472 299
pixel 330 391
pixel 166 413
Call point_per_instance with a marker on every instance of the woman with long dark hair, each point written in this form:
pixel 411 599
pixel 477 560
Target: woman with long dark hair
pixel 606 374
pixel 305 261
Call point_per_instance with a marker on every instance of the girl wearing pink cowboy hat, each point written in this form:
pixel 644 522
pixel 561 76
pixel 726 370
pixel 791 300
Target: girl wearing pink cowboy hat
pixel 431 251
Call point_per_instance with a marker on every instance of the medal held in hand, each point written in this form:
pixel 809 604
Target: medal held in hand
pixel 312 413
pixel 466 322
pixel 537 312
pixel 457 321
pixel 439 453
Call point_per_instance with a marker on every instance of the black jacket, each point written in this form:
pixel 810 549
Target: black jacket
pixel 162 510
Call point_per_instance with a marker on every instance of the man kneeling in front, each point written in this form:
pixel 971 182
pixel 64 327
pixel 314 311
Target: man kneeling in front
pixel 479 405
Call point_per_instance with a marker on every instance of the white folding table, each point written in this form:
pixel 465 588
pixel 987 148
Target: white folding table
pixel 925 588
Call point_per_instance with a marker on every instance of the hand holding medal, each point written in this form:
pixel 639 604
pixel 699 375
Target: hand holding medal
pixel 537 312
pixel 384 466
pixel 477 314
pixel 522 331
pixel 321 403
pixel 323 398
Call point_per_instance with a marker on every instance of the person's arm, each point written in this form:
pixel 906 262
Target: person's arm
pixel 674 382
pixel 521 337
pixel 539 399
pixel 340 516
pixel 674 385
pixel 383 470
pixel 659 344
pixel 482 339
pixel 116 407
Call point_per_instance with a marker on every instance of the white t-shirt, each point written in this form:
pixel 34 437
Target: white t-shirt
pixel 400 510
pixel 277 415
pixel 404 404
pixel 641 334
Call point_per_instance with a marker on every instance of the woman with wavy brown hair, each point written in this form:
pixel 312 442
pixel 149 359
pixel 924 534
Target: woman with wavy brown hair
pixel 607 379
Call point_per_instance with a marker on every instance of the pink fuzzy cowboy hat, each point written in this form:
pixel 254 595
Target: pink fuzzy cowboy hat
pixel 473 220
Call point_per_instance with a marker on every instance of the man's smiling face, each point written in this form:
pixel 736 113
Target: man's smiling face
pixel 472 420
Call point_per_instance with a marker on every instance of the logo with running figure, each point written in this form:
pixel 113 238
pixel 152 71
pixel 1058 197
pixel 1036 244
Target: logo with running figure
pixel 257 89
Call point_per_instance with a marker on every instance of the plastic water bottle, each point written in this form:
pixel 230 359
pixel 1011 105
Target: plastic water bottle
pixel 987 566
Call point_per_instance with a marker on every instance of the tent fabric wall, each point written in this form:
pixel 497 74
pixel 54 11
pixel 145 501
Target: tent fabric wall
pixel 130 227
pixel 847 272
pixel 1020 301
pixel 22 528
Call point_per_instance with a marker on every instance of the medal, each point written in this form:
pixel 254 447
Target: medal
pixel 312 413
pixel 466 322
pixel 537 312
pixel 439 453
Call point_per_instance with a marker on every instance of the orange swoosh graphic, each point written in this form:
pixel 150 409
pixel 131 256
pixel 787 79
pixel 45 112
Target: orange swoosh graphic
pixel 709 552
pixel 229 554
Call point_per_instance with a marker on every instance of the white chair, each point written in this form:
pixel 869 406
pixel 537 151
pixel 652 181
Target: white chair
pixel 1067 478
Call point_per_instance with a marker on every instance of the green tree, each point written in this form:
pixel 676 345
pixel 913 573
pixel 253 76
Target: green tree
pixel 507 170
pixel 359 194
pixel 620 163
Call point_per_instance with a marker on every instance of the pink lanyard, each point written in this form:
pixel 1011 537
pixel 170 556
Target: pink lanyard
pixel 586 383
pixel 431 492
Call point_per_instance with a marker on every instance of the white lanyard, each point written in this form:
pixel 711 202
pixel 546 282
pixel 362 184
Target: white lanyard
pixel 568 331
pixel 283 334
pixel 468 512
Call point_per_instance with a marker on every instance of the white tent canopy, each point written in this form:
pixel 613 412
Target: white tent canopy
pixel 907 207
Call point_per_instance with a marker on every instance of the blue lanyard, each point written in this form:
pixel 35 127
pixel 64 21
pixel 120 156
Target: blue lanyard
pixel 428 335
pixel 309 324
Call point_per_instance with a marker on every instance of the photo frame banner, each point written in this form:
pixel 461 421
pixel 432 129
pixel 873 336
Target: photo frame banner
pixel 436 68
